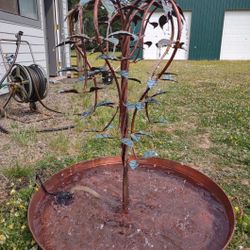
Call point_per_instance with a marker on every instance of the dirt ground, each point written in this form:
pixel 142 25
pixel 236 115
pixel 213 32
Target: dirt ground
pixel 24 144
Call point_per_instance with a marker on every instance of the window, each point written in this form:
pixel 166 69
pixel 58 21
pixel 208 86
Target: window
pixel 25 8
pixel 28 8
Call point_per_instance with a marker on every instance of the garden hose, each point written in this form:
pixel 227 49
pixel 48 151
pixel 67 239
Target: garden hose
pixel 28 83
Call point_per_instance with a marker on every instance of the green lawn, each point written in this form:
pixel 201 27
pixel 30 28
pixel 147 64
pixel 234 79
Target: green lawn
pixel 204 121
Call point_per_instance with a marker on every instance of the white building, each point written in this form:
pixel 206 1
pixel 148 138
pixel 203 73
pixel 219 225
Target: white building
pixel 43 25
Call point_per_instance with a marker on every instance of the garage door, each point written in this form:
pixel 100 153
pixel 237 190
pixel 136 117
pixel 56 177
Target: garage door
pixel 236 36
pixel 155 33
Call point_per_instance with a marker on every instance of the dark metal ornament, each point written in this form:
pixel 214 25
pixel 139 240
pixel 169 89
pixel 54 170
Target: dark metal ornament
pixel 61 197
pixel 64 198
pixel 107 78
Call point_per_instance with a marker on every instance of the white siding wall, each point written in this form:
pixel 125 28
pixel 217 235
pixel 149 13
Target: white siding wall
pixel 35 36
pixel 65 29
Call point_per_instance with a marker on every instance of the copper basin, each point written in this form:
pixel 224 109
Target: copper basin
pixel 67 176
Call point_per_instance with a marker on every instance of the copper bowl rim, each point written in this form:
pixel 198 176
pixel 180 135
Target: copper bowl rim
pixel 180 169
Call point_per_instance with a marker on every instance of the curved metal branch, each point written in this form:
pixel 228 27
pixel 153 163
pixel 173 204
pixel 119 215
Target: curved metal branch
pixel 143 27
pixel 98 40
pixel 177 44
pixel 179 24
pixel 84 55
pixel 146 23
pixel 167 49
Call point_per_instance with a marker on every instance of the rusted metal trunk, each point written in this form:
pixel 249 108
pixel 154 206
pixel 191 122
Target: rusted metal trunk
pixel 124 119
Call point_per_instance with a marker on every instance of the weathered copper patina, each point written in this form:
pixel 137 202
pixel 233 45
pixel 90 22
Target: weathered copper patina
pixel 170 203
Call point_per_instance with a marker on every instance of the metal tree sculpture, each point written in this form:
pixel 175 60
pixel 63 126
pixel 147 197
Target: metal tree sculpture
pixel 128 14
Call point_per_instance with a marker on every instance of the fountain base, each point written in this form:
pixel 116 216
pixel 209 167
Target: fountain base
pixel 171 207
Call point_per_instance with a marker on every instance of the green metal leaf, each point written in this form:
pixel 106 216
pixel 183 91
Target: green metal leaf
pixel 162 120
pixel 81 36
pixel 105 104
pixel 167 7
pixel 163 20
pixel 133 164
pixel 65 42
pixel 109 6
pixel 98 69
pixel 149 154
pixel 151 83
pixel 159 93
pixel 87 113
pixel 124 33
pixel 69 69
pixel 163 43
pixel 152 100
pixel 123 73
pixel 92 89
pixel 81 78
pixel 130 105
pixel 112 40
pixel 142 133
pixel 107 57
pixel 137 105
pixel 84 2
pixel 140 105
pixel 168 77
pixel 154 24
pixel 149 43
pixel 135 137
pixel 127 142
pixel 103 136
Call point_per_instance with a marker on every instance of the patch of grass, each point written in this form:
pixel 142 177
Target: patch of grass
pixel 52 164
pixel 24 138
pixel 18 172
pixel 94 147
pixel 60 143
